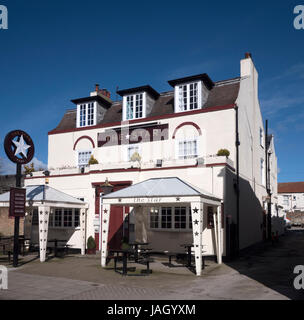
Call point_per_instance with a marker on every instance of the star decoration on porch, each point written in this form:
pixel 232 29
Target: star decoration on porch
pixel 196 221
pixel 41 212
pixel 104 231
pixel 21 147
pixel 119 200
pixel 105 211
pixel 177 199
pixel 41 221
pixel 195 210
pixel 104 221
pixel 196 234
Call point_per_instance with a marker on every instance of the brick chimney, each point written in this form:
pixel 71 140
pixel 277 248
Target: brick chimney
pixel 248 55
pixel 103 92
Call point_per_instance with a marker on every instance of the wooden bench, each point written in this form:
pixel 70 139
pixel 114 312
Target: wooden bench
pixel 171 255
pixel 146 261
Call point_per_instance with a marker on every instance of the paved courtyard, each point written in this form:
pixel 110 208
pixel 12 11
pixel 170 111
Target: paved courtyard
pixel 265 272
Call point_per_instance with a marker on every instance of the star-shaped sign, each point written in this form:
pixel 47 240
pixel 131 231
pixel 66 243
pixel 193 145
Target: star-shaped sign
pixel 196 221
pixel 195 210
pixel 21 147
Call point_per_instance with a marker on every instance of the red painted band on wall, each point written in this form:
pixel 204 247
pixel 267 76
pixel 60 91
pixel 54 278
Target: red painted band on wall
pixel 166 116
pixel 84 137
pixel 187 124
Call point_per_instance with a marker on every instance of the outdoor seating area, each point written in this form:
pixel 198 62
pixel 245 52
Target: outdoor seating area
pixel 7 246
pixel 55 248
pixel 130 261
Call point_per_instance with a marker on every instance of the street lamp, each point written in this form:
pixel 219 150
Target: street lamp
pixel 107 187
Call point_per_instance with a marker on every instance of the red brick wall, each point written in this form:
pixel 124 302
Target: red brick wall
pixel 7 224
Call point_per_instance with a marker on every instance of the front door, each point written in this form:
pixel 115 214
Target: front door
pixel 117 230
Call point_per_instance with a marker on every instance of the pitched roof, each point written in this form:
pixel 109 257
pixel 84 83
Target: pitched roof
pixel 160 187
pixel 291 187
pixel 44 193
pixel 222 94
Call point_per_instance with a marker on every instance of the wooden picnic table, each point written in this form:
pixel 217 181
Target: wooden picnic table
pixel 56 244
pixel 135 246
pixel 189 247
pixel 125 253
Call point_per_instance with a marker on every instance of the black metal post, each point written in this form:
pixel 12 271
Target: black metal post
pixel 17 220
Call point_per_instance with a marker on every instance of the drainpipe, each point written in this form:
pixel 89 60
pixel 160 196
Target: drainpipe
pixel 267 155
pixel 100 213
pixel 237 145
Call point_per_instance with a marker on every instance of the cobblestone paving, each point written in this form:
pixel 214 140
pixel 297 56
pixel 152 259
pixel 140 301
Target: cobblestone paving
pixel 263 273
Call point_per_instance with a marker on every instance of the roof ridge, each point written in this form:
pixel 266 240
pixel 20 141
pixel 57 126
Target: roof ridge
pixel 227 82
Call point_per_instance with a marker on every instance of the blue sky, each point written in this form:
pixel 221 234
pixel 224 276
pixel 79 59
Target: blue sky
pixel 54 51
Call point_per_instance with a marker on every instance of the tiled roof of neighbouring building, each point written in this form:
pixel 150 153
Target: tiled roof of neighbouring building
pixel 291 187
pixel 223 93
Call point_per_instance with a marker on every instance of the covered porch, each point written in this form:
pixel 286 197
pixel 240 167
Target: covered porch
pixel 51 214
pixel 150 196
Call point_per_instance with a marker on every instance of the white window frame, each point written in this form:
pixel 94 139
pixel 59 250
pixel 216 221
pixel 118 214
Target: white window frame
pixel 178 106
pixel 262 172
pixel 144 106
pixel 86 106
pixel 133 145
pixel 286 200
pixel 172 229
pixel 83 151
pixel 177 149
pixel 52 219
pixel 261 138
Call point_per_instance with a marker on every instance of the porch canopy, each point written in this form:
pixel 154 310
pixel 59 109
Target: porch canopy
pixel 46 198
pixel 165 191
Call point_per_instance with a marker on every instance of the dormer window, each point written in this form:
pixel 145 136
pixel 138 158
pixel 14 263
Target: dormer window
pixel 91 110
pixel 189 96
pixel 191 93
pixel 137 102
pixel 134 106
pixel 86 114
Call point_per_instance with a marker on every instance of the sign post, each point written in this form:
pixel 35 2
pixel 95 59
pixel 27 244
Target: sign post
pixel 20 149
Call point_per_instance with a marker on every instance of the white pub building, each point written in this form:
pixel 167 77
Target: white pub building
pixel 159 176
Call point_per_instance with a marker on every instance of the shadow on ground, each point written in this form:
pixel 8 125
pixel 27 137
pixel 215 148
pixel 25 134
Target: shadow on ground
pixel 272 264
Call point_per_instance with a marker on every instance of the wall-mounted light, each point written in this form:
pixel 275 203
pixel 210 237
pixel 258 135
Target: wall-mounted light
pixel 46 173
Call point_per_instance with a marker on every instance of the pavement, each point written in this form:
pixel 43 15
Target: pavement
pixel 264 272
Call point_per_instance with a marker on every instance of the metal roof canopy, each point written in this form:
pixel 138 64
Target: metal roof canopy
pixel 38 194
pixel 160 190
